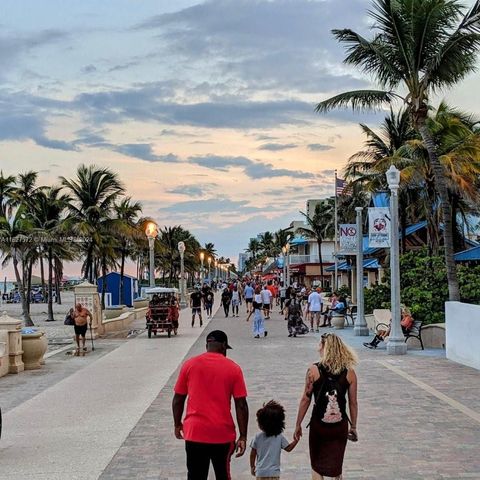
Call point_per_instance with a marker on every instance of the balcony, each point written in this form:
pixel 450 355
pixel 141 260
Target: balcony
pixel 299 259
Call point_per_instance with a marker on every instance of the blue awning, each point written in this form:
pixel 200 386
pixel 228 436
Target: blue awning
pixel 298 241
pixel 368 264
pixel 470 255
pixel 381 199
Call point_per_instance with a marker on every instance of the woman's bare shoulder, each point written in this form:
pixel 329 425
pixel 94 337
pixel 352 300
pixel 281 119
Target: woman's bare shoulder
pixel 351 375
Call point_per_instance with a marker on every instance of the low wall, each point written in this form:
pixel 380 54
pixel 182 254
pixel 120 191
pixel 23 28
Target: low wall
pixel 4 360
pixel 463 333
pixel 433 335
pixel 122 322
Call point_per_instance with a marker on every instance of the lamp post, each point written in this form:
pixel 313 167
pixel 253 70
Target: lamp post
pixel 361 328
pixel 181 249
pixel 284 251
pixel 202 258
pixel 396 344
pixel 151 232
pixel 209 260
pixel 287 274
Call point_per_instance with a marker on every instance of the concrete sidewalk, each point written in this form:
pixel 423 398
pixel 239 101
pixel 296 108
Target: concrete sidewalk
pixel 73 428
pixel 419 415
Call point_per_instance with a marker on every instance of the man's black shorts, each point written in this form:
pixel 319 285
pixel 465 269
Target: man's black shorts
pixel 197 310
pixel 80 329
pixel 249 300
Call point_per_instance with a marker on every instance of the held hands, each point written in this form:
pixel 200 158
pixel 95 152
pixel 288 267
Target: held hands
pixel 241 446
pixel 179 431
pixel 298 433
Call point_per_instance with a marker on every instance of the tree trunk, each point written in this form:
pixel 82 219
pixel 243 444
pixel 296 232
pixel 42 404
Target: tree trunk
pixel 21 290
pixel 320 260
pixel 58 276
pixel 50 289
pixel 122 271
pixel 29 283
pixel 441 185
pixel 104 283
pixel 42 276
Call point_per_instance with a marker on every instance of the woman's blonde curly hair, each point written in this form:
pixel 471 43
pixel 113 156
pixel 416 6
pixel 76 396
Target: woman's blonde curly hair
pixel 337 356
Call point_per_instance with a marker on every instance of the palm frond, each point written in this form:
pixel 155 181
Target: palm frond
pixel 359 100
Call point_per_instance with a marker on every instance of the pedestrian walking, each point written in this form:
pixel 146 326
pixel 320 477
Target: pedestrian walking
pixel 80 317
pixel 258 325
pixel 283 293
pixel 196 299
pixel 248 293
pixel 329 381
pixel 268 444
pixel 226 300
pixel 209 299
pixel 266 295
pixel 208 382
pixel 235 301
pixel 315 303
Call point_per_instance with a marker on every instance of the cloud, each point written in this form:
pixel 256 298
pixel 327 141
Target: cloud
pixel 89 69
pixel 143 151
pixel 276 147
pixel 254 170
pixel 319 147
pixel 194 190
pixel 209 206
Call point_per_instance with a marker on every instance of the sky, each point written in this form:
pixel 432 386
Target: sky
pixel 204 109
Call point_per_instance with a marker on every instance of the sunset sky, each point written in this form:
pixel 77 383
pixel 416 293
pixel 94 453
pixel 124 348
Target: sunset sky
pixel 205 109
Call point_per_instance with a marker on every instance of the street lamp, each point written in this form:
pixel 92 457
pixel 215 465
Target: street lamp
pixel 396 344
pixel 287 274
pixel 216 271
pixel 361 328
pixel 284 251
pixel 181 249
pixel 209 260
pixel 202 258
pixel 151 231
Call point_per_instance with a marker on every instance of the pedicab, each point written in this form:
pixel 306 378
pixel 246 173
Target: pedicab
pixel 163 311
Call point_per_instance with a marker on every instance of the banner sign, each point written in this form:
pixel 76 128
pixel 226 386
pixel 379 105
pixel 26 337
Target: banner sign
pixel 348 239
pixel 379 227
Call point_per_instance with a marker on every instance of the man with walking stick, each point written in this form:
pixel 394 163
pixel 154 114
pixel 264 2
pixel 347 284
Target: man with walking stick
pixel 80 317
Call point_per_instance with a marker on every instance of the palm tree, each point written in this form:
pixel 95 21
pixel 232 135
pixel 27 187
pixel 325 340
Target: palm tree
pixel 210 250
pixel 46 214
pixel 320 226
pixel 93 192
pixel 267 244
pixel 7 187
pixel 15 242
pixel 127 213
pixel 422 46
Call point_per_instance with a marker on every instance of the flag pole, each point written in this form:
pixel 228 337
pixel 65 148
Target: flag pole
pixel 336 236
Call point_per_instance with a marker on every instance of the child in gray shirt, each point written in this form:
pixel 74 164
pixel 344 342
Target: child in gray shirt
pixel 269 443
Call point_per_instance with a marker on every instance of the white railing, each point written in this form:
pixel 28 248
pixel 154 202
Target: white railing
pixel 298 259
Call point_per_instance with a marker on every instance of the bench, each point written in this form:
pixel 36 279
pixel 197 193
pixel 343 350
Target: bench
pixel 415 332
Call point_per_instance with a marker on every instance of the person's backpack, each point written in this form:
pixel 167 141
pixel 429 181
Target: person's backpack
pixel 69 320
pixel 209 297
pixel 330 402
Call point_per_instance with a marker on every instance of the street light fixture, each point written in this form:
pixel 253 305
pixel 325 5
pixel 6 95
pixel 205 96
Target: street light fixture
pixel 396 344
pixel 151 231
pixel 202 258
pixel 209 260
pixel 287 271
pixel 361 327
pixel 181 249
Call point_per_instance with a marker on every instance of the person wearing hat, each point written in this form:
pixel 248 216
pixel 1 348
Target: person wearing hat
pixel 208 382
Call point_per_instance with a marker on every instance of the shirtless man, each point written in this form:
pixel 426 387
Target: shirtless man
pixel 81 324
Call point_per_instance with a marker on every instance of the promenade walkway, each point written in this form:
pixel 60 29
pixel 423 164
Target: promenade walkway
pixel 419 414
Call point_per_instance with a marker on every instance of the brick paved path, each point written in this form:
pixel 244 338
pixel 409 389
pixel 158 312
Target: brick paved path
pixel 419 414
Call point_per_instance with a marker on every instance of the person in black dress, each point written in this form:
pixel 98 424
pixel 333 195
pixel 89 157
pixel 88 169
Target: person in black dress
pixel 330 381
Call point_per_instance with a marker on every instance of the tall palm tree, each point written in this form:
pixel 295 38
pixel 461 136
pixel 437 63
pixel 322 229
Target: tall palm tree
pixel 267 244
pixel 7 187
pixel 93 192
pixel 210 251
pixel 47 215
pixel 15 231
pixel 320 226
pixel 421 46
pixel 127 212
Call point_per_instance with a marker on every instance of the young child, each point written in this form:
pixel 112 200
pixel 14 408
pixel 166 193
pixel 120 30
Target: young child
pixel 268 444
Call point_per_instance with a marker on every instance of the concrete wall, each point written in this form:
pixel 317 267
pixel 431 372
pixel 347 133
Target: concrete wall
pixel 463 333
pixel 121 322
pixel 3 353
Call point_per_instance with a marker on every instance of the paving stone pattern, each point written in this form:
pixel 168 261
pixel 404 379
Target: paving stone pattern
pixel 406 433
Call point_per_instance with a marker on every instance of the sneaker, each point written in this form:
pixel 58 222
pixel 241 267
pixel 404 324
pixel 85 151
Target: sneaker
pixel 368 345
pixel 266 333
pixel 289 334
pixel 311 330
pixel 256 336
pixel 295 335
pixel 317 330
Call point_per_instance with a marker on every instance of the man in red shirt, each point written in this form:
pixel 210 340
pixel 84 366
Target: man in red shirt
pixel 210 381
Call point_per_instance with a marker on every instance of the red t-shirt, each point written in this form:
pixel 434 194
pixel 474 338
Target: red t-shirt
pixel 210 380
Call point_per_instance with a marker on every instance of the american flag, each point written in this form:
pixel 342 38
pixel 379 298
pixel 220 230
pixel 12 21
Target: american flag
pixel 339 186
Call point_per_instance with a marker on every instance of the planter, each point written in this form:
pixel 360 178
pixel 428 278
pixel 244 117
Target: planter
pixel 338 320
pixel 34 346
pixel 140 303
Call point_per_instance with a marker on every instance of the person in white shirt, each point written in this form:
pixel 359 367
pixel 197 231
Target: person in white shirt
pixel 266 300
pixel 314 308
